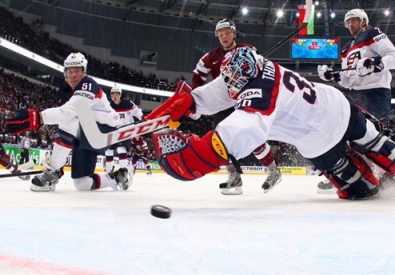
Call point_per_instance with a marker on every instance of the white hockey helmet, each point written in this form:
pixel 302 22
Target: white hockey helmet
pixel 359 13
pixel 75 60
pixel 238 67
pixel 225 23
pixel 116 90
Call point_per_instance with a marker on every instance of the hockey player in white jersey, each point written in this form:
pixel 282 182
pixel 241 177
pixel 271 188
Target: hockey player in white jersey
pixel 71 136
pixel 274 103
pixel 372 54
pixel 127 111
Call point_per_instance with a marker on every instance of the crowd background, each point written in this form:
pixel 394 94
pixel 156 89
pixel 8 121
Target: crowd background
pixel 18 92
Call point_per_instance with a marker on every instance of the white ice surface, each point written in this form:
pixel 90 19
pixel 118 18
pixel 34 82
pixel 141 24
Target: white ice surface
pixel 290 230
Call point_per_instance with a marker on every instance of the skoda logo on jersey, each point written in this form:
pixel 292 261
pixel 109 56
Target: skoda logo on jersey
pixel 377 39
pixel 84 95
pixel 250 93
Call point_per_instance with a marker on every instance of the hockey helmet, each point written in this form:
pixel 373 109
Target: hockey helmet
pixel 359 13
pixel 116 90
pixel 225 23
pixel 238 67
pixel 75 60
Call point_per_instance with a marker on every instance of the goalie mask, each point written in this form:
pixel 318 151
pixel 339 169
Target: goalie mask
pixel 238 67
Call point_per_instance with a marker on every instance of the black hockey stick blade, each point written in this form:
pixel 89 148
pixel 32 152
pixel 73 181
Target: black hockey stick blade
pixel 309 8
pixel 20 174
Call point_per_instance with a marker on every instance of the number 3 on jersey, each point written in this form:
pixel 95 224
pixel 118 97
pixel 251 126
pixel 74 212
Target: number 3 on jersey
pixel 308 93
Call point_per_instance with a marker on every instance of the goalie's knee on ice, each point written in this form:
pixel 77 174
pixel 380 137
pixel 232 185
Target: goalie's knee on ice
pixel 353 178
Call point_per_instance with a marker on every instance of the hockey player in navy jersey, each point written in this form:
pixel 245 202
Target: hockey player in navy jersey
pixel 372 54
pixel 127 111
pixel 210 63
pixel 274 103
pixel 71 137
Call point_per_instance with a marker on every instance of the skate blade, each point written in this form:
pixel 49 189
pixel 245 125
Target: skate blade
pixel 232 191
pixel 267 190
pixel 326 191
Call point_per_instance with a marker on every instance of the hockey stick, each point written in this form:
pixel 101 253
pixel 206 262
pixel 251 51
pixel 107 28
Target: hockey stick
pixel 20 174
pixel 24 166
pixel 99 140
pixel 309 7
pixel 329 72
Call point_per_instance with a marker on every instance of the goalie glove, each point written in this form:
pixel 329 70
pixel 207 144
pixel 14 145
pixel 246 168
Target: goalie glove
pixel 189 157
pixel 327 73
pixel 23 120
pixel 369 65
pixel 180 105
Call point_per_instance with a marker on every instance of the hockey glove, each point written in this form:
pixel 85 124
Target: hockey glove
pixel 326 73
pixel 23 120
pixel 180 105
pixel 369 65
pixel 189 157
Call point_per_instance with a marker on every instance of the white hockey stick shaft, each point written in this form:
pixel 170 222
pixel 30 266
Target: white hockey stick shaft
pixel 24 166
pixel 99 140
pixel 309 8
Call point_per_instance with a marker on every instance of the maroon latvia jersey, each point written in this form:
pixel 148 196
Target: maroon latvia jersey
pixel 139 146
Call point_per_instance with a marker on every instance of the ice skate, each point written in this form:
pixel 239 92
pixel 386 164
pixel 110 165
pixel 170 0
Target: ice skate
pixel 274 177
pixel 46 182
pixel 121 176
pixel 233 185
pixel 25 177
pixel 149 172
pixel 326 187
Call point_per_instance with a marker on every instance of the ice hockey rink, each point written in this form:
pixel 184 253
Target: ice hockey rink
pixel 290 230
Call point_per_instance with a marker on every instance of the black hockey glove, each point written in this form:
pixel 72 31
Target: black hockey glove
pixel 369 65
pixel 327 73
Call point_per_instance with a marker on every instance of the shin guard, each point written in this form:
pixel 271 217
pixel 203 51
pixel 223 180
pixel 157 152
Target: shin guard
pixel 353 178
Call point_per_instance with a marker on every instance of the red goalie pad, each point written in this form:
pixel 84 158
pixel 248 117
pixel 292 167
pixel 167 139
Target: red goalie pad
pixel 188 157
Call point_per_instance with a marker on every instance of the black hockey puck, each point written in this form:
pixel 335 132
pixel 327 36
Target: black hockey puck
pixel 160 211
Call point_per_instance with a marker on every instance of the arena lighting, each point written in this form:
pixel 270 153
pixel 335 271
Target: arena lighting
pixel 280 13
pixel 333 15
pixel 319 14
pixel 244 10
pixel 42 60
pixel 387 12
